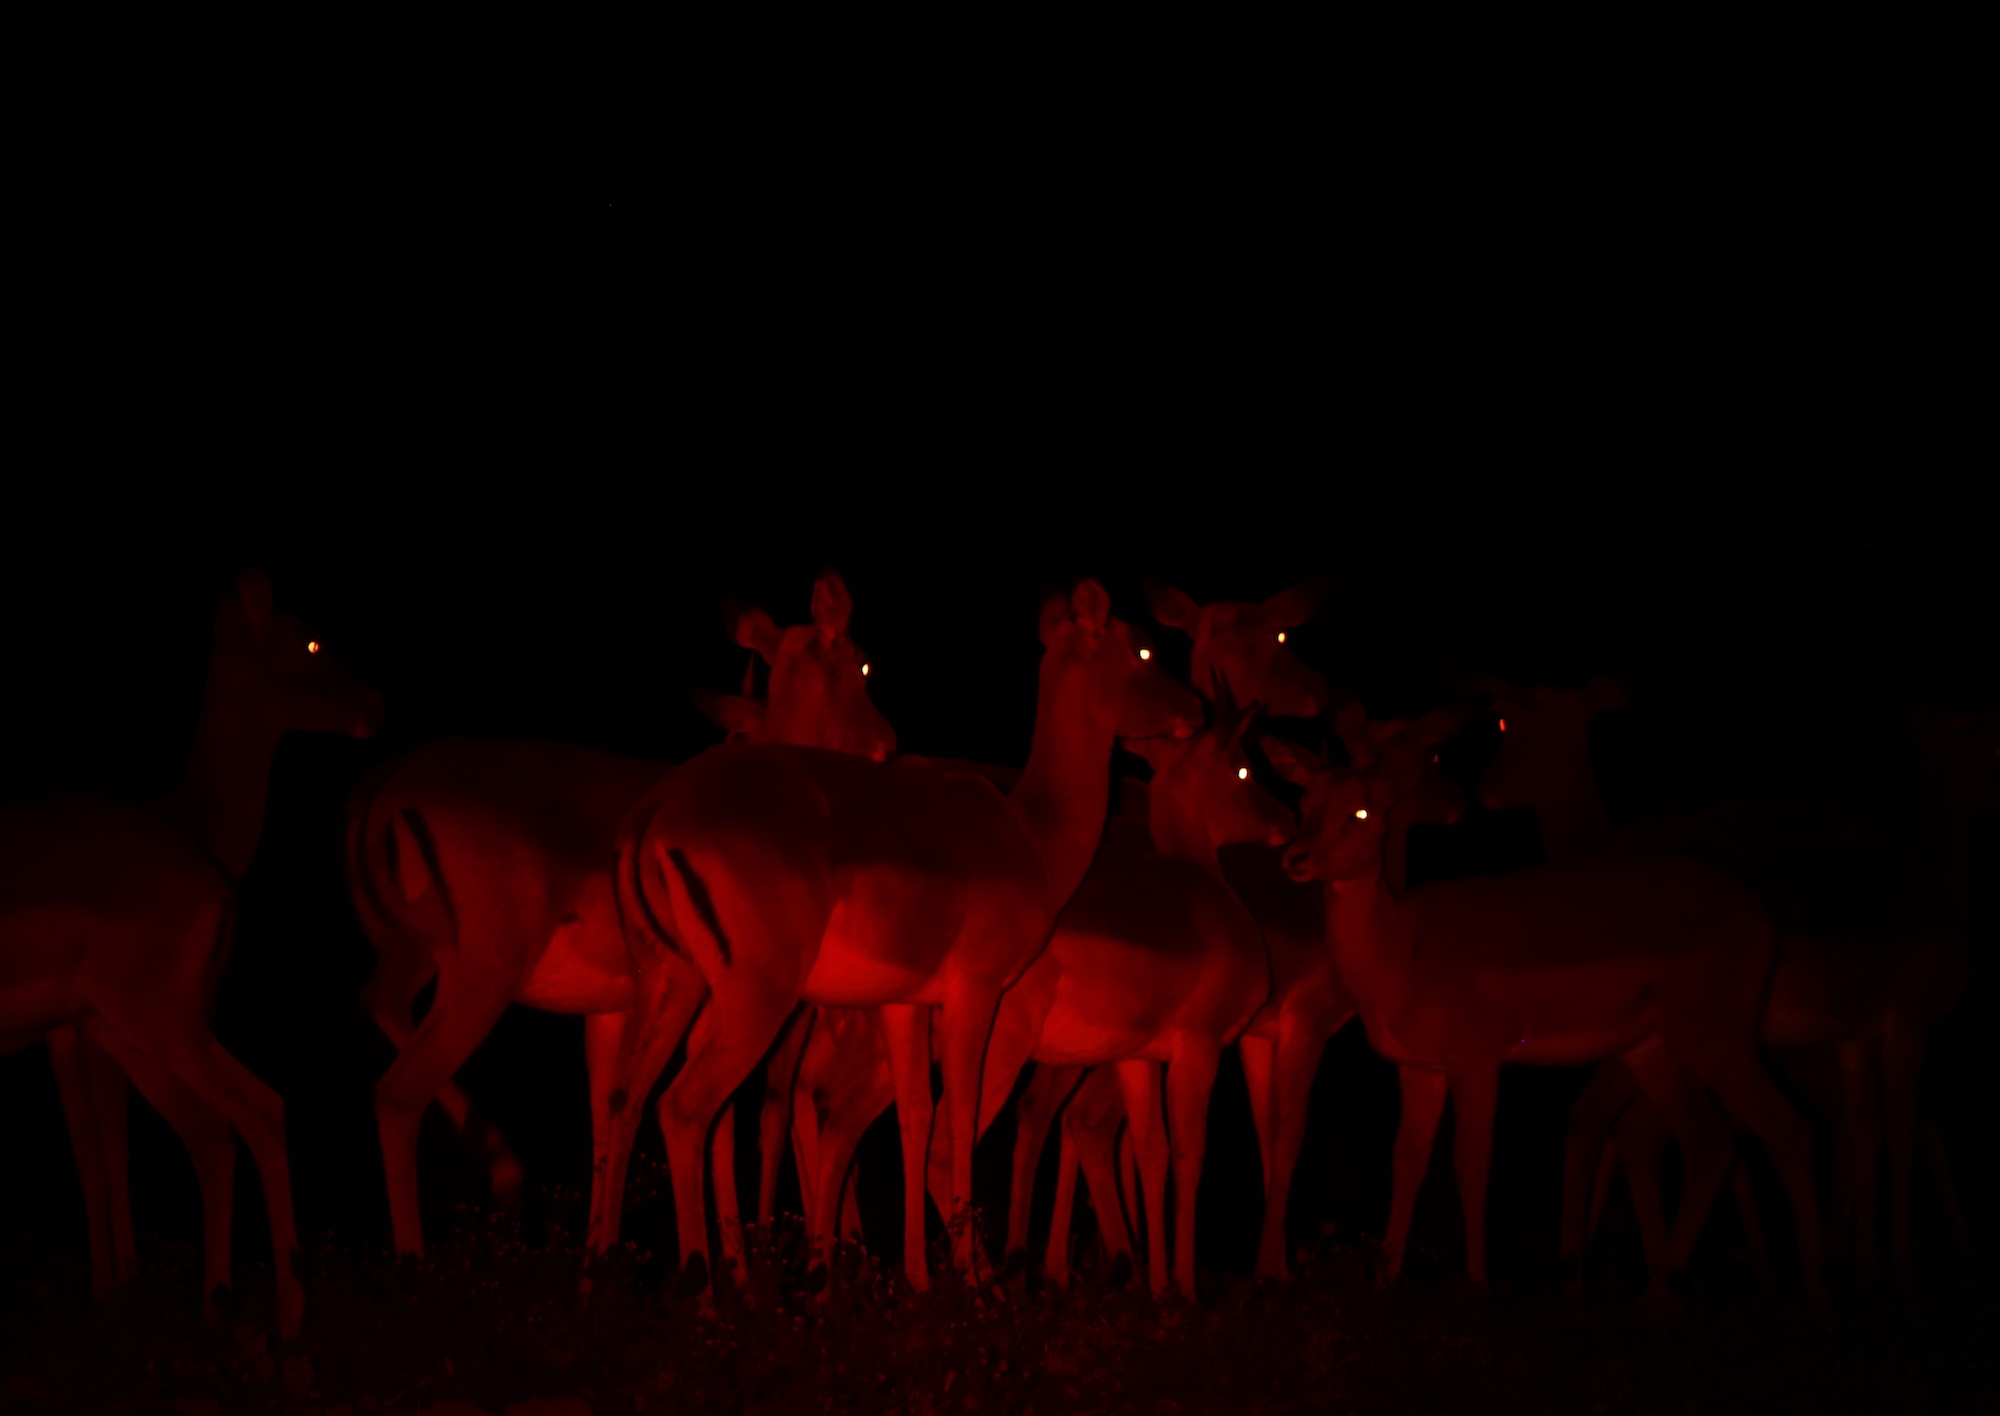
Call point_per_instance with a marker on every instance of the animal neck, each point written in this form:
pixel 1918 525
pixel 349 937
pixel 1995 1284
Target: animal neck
pixel 1065 792
pixel 1180 827
pixel 1370 930
pixel 221 796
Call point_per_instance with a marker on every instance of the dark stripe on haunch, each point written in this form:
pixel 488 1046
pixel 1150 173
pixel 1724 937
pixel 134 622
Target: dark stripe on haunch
pixel 420 832
pixel 703 905
pixel 631 898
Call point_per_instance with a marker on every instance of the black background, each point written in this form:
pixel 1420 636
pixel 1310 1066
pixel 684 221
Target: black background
pixel 509 338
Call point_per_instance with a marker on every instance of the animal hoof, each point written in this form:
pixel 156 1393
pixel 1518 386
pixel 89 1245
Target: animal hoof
pixel 693 1281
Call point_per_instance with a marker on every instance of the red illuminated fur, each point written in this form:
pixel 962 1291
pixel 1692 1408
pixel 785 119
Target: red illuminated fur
pixel 486 864
pixel 115 922
pixel 1630 957
pixel 895 887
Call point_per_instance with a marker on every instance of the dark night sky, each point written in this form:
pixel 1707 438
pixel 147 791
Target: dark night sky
pixel 510 338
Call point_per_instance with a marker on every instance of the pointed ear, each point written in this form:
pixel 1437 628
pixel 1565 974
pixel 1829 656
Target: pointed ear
pixel 752 628
pixel 1170 606
pixel 1602 694
pixel 1090 606
pixel 832 606
pixel 253 593
pixel 1243 721
pixel 1301 602
pixel 1295 764
pixel 1055 614
pixel 1161 753
pixel 738 715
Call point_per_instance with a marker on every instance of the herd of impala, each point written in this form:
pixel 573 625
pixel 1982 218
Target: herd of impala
pixel 803 899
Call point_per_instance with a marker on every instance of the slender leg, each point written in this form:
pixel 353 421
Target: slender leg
pixel 1475 1092
pixel 671 994
pixel 1423 1104
pixel 1586 1167
pixel 1094 1131
pixel 805 1149
pixel 906 1036
pixel 210 1142
pixel 191 1056
pixel 1902 1067
pixel 781 1075
pixel 1259 1056
pixel 1035 1113
pixel 728 1202
pixel 462 1014
pixel 391 999
pixel 1056 1265
pixel 85 1145
pixel 1139 1081
pixel 967 1018
pixel 729 1038
pixel 1190 1079
pixel 1300 1046
pixel 1861 1110
pixel 1755 1104
pixel 1707 1150
pixel 1642 1147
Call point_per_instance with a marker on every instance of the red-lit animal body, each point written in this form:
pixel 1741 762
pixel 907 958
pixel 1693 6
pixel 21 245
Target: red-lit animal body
pixel 486 864
pixel 1652 959
pixel 1870 944
pixel 116 920
pixel 1240 651
pixel 1153 961
pixel 783 874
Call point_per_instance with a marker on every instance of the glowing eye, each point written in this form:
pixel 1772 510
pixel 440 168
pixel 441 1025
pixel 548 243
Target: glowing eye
pixel 312 646
pixel 864 671
pixel 1242 774
pixel 1281 636
pixel 1145 653
pixel 1362 814
pixel 1503 725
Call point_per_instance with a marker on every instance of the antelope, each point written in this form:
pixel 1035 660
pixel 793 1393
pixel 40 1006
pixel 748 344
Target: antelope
pixel 1862 972
pixel 486 864
pixel 1240 649
pixel 1656 960
pixel 777 874
pixel 116 920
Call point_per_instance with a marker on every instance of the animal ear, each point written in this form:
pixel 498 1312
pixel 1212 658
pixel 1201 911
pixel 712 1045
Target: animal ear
pixel 752 628
pixel 742 717
pixel 1224 699
pixel 1244 720
pixel 832 606
pixel 1160 753
pixel 1602 694
pixel 1295 764
pixel 1090 606
pixel 253 593
pixel 1170 606
pixel 1301 602
pixel 1055 614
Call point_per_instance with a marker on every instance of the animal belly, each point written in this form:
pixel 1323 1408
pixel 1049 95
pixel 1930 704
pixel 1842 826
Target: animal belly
pixel 585 969
pixel 41 975
pixel 874 953
pixel 1084 1044
pixel 851 978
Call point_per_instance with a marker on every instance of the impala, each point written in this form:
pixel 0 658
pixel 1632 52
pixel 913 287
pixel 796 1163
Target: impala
pixel 1870 943
pixel 1652 959
pixel 1240 650
pixel 778 874
pixel 116 920
pixel 486 864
